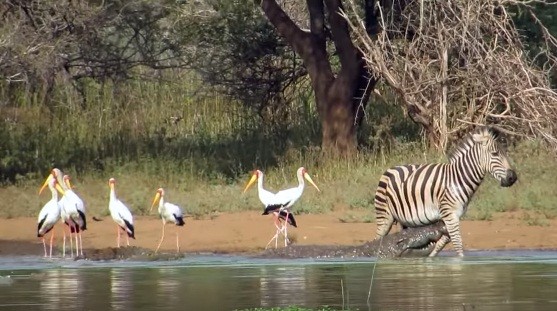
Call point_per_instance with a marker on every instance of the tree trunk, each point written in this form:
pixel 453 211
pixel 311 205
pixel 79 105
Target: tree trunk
pixel 340 98
pixel 341 107
pixel 338 122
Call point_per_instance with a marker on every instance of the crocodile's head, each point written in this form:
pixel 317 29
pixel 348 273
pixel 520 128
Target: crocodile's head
pixel 420 242
pixel 411 242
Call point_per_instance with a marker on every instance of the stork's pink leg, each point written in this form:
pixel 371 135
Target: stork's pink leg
pixel 80 244
pixel 177 241
pixel 285 227
pixel 64 243
pixel 275 237
pixel 51 240
pixel 118 232
pixel 127 238
pixel 76 243
pixel 162 238
pixel 44 246
pixel 71 240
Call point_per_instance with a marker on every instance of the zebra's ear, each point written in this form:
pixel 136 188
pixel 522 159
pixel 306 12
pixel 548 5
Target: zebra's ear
pixel 481 137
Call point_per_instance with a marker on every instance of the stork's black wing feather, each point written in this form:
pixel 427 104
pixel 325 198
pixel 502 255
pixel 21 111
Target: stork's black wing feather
pixel 291 220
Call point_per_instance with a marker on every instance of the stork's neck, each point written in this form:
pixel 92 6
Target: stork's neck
pixel 54 192
pixel 161 203
pixel 61 182
pixel 301 182
pixel 260 182
pixel 112 193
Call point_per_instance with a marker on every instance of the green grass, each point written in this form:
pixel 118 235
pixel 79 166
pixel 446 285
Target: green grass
pixel 204 159
pixel 348 185
pixel 293 308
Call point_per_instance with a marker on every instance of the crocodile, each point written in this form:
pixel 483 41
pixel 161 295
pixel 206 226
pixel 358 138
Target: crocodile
pixel 409 242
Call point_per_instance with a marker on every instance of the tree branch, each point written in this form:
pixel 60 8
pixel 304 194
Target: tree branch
pixel 285 26
pixel 347 52
pixel 317 21
pixel 308 45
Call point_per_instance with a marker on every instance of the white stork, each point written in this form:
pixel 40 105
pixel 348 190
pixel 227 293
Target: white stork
pixel 169 213
pixel 120 214
pixel 72 212
pixel 77 213
pixel 282 201
pixel 49 214
pixel 268 199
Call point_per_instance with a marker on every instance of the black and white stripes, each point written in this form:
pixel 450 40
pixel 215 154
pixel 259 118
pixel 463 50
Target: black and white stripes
pixel 417 195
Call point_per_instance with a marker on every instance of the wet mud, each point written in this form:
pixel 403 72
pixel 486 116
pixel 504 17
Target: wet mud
pixel 127 253
pixel 368 249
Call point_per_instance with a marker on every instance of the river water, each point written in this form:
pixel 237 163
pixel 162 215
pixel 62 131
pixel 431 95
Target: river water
pixel 521 280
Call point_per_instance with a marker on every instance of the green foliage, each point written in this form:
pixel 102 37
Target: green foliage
pixel 356 218
pixel 535 220
pixel 204 160
pixel 159 128
pixel 386 125
pixel 532 32
pixel 55 44
pixel 238 52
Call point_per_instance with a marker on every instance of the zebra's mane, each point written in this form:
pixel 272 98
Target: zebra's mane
pixel 465 143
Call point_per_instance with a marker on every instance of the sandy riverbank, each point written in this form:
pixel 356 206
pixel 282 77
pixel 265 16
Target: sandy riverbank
pixel 249 232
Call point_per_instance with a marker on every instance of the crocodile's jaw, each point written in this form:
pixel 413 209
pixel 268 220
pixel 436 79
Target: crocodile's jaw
pixel 422 243
pixel 423 251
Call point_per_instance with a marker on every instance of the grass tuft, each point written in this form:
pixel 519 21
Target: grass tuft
pixel 202 148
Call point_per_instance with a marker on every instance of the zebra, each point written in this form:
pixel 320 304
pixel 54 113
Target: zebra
pixel 418 195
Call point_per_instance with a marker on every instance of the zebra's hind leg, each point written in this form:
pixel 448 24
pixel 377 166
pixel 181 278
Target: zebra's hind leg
pixel 439 245
pixel 384 224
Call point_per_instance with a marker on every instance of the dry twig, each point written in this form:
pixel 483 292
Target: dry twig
pixel 459 63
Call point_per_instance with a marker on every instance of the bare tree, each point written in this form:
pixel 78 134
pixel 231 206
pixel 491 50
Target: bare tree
pixel 45 41
pixel 338 94
pixel 459 63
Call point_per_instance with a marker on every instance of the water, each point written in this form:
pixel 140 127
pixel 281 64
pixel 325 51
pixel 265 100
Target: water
pixel 482 281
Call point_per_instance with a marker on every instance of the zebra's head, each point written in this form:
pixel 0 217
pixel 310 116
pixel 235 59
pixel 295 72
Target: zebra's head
pixel 494 159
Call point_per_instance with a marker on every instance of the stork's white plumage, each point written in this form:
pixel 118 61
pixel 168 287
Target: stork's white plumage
pixel 288 197
pixel 77 212
pixel 120 214
pixel 49 215
pixel 268 199
pixel 72 212
pixel 64 213
pixel 280 203
pixel 169 213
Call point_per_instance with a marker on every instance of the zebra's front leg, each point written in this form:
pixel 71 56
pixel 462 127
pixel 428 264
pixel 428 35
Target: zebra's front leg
pixel 439 245
pixel 452 222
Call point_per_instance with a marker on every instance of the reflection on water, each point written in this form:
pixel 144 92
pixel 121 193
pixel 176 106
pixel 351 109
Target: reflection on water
pixel 278 284
pixel 120 288
pixel 439 284
pixel 60 288
pixel 167 286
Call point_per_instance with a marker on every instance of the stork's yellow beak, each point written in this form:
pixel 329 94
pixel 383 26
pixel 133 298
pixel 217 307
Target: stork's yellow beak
pixel 157 197
pixel 251 181
pixel 308 178
pixel 45 183
pixel 60 189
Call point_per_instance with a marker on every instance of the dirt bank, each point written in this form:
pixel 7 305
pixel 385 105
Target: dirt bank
pixel 249 232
